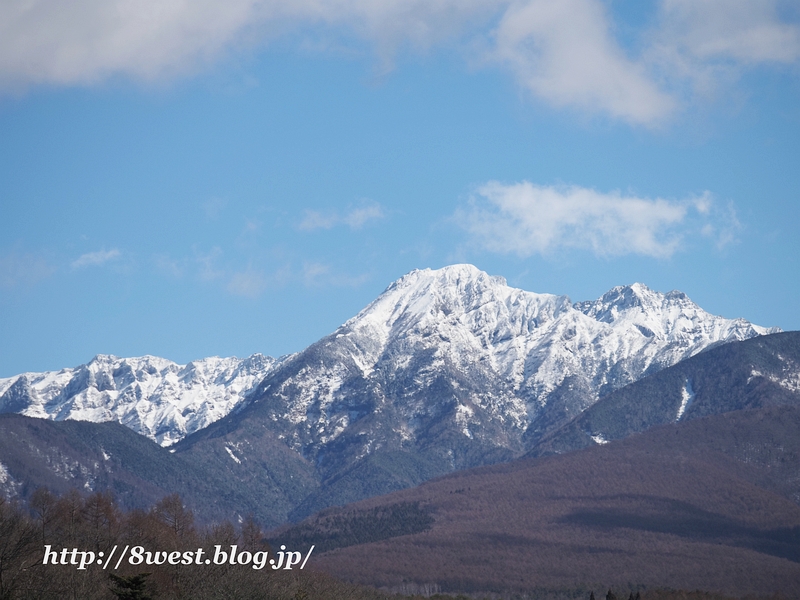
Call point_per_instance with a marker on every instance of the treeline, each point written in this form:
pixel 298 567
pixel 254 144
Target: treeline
pixel 96 523
pixel 342 529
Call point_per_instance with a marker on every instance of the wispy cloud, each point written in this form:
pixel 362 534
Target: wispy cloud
pixel 355 218
pixel 565 53
pixel 527 219
pixel 745 31
pixel 169 266
pixel 315 219
pixel 358 217
pixel 258 275
pixel 213 207
pixel 208 264
pixel 210 267
pixel 22 270
pixel 722 225
pixel 95 259
pixel 249 283
pixel 316 274
pixel 709 44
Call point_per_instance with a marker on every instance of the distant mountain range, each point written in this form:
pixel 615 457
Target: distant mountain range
pixel 529 359
pixel 445 370
pixel 153 396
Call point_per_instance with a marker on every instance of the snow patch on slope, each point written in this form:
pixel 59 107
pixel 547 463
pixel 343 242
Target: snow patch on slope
pixel 687 397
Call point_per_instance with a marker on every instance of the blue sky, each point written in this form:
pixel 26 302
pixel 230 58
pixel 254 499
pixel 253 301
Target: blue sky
pixel 223 178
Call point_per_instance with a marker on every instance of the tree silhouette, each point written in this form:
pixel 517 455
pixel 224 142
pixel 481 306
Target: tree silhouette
pixel 171 511
pixel 130 588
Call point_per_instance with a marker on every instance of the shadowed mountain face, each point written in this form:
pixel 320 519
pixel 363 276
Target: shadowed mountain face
pixel 61 455
pixel 761 372
pixel 250 469
pixel 705 504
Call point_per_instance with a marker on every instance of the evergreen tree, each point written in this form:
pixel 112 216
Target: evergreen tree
pixel 130 588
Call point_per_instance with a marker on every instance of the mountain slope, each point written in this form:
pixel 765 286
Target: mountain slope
pixel 445 370
pixel 704 504
pixel 503 366
pixel 759 372
pixel 91 457
pixel 248 468
pixel 153 396
pixel 452 368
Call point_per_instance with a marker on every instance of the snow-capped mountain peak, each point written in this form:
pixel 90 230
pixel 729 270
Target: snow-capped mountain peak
pixel 153 396
pixel 665 315
pixel 459 305
pixel 498 364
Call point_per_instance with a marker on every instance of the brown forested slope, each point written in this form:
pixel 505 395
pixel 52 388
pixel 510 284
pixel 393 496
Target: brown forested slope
pixel 705 504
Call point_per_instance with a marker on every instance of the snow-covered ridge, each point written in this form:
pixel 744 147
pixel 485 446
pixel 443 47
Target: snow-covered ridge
pixel 499 363
pixel 537 339
pixel 454 344
pixel 153 396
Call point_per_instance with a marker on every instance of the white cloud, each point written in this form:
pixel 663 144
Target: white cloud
pixel 358 217
pixel 83 41
pixel 169 266
pixel 95 259
pixel 314 274
pixel 207 264
pixel 746 31
pixel 564 52
pixel 314 219
pixel 709 43
pixel 723 225
pixel 527 219
pixel 213 207
pixel 355 218
pixel 561 51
